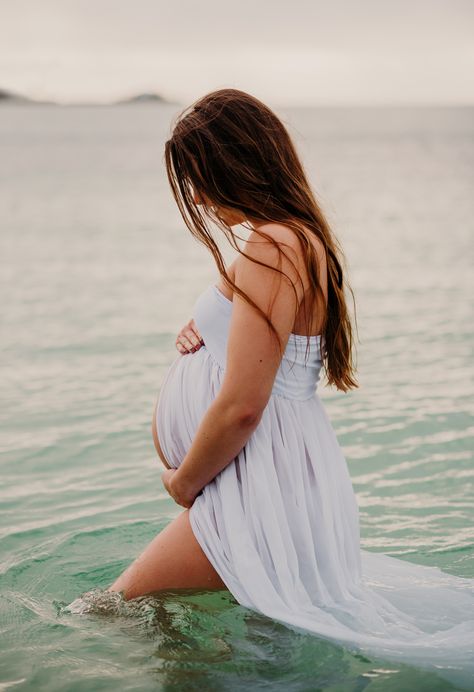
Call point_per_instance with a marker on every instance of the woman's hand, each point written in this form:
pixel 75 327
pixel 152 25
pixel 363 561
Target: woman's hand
pixel 182 496
pixel 189 339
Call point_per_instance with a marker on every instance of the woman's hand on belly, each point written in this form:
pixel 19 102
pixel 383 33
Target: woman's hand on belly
pixel 189 339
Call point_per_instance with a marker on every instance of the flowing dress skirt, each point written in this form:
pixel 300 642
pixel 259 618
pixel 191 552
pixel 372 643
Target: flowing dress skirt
pixel 280 524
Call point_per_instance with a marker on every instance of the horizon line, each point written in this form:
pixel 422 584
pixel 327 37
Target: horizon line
pixel 156 98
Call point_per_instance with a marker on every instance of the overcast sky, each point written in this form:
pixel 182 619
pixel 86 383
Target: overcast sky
pixel 288 52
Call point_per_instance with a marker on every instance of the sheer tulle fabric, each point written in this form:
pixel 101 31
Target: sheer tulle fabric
pixel 280 524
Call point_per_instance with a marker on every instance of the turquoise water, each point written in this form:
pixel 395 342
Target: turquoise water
pixel 98 275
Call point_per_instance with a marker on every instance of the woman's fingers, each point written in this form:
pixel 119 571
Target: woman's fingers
pixel 193 338
pixel 186 341
pixel 183 345
pixel 189 339
pixel 191 331
pixel 193 326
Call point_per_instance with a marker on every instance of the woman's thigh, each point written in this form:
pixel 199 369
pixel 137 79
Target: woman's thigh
pixel 173 560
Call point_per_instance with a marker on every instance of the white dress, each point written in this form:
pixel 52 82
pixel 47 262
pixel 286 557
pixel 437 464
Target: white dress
pixel 280 524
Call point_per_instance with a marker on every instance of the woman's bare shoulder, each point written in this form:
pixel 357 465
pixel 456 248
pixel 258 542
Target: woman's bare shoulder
pixel 278 232
pixel 284 234
pixel 287 240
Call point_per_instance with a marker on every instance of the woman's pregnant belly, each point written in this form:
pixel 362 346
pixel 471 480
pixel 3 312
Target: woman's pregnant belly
pixel 190 384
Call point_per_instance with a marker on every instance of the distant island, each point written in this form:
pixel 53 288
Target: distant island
pixel 11 97
pixel 144 98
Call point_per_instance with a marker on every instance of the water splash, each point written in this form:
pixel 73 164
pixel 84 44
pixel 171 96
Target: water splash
pixel 112 604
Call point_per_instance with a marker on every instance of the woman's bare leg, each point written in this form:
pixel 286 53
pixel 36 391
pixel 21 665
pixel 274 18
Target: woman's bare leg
pixel 173 560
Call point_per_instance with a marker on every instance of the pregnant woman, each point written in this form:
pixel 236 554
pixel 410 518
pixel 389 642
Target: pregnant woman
pixel 269 511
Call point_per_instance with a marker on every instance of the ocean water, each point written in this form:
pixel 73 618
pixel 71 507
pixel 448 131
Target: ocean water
pixel 98 275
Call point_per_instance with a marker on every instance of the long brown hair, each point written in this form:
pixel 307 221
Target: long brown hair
pixel 233 149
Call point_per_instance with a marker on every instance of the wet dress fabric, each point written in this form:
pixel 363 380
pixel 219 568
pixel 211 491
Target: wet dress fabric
pixel 280 524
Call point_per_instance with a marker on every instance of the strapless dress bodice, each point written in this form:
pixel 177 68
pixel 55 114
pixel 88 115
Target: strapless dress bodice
pixel 299 371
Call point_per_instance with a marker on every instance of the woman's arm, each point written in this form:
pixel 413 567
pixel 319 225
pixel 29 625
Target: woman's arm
pixel 252 361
